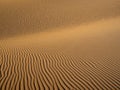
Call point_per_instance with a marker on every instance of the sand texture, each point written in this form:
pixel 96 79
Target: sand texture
pixel 60 45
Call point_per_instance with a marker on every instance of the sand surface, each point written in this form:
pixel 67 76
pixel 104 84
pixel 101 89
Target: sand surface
pixel 78 49
pixel 31 16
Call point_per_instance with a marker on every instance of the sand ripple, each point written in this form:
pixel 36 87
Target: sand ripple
pixel 38 69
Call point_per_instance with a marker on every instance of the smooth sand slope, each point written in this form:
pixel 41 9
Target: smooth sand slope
pixel 76 58
pixel 30 16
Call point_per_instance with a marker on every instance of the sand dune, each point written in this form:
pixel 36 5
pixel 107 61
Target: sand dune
pixel 30 16
pixel 59 45
pixel 72 58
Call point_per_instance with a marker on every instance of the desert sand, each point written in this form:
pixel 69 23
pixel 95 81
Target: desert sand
pixel 60 45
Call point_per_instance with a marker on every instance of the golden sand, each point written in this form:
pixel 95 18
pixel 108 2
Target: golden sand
pixel 82 57
pixel 67 54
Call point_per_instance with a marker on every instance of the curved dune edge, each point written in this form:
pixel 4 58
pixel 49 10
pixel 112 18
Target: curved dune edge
pixel 83 57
